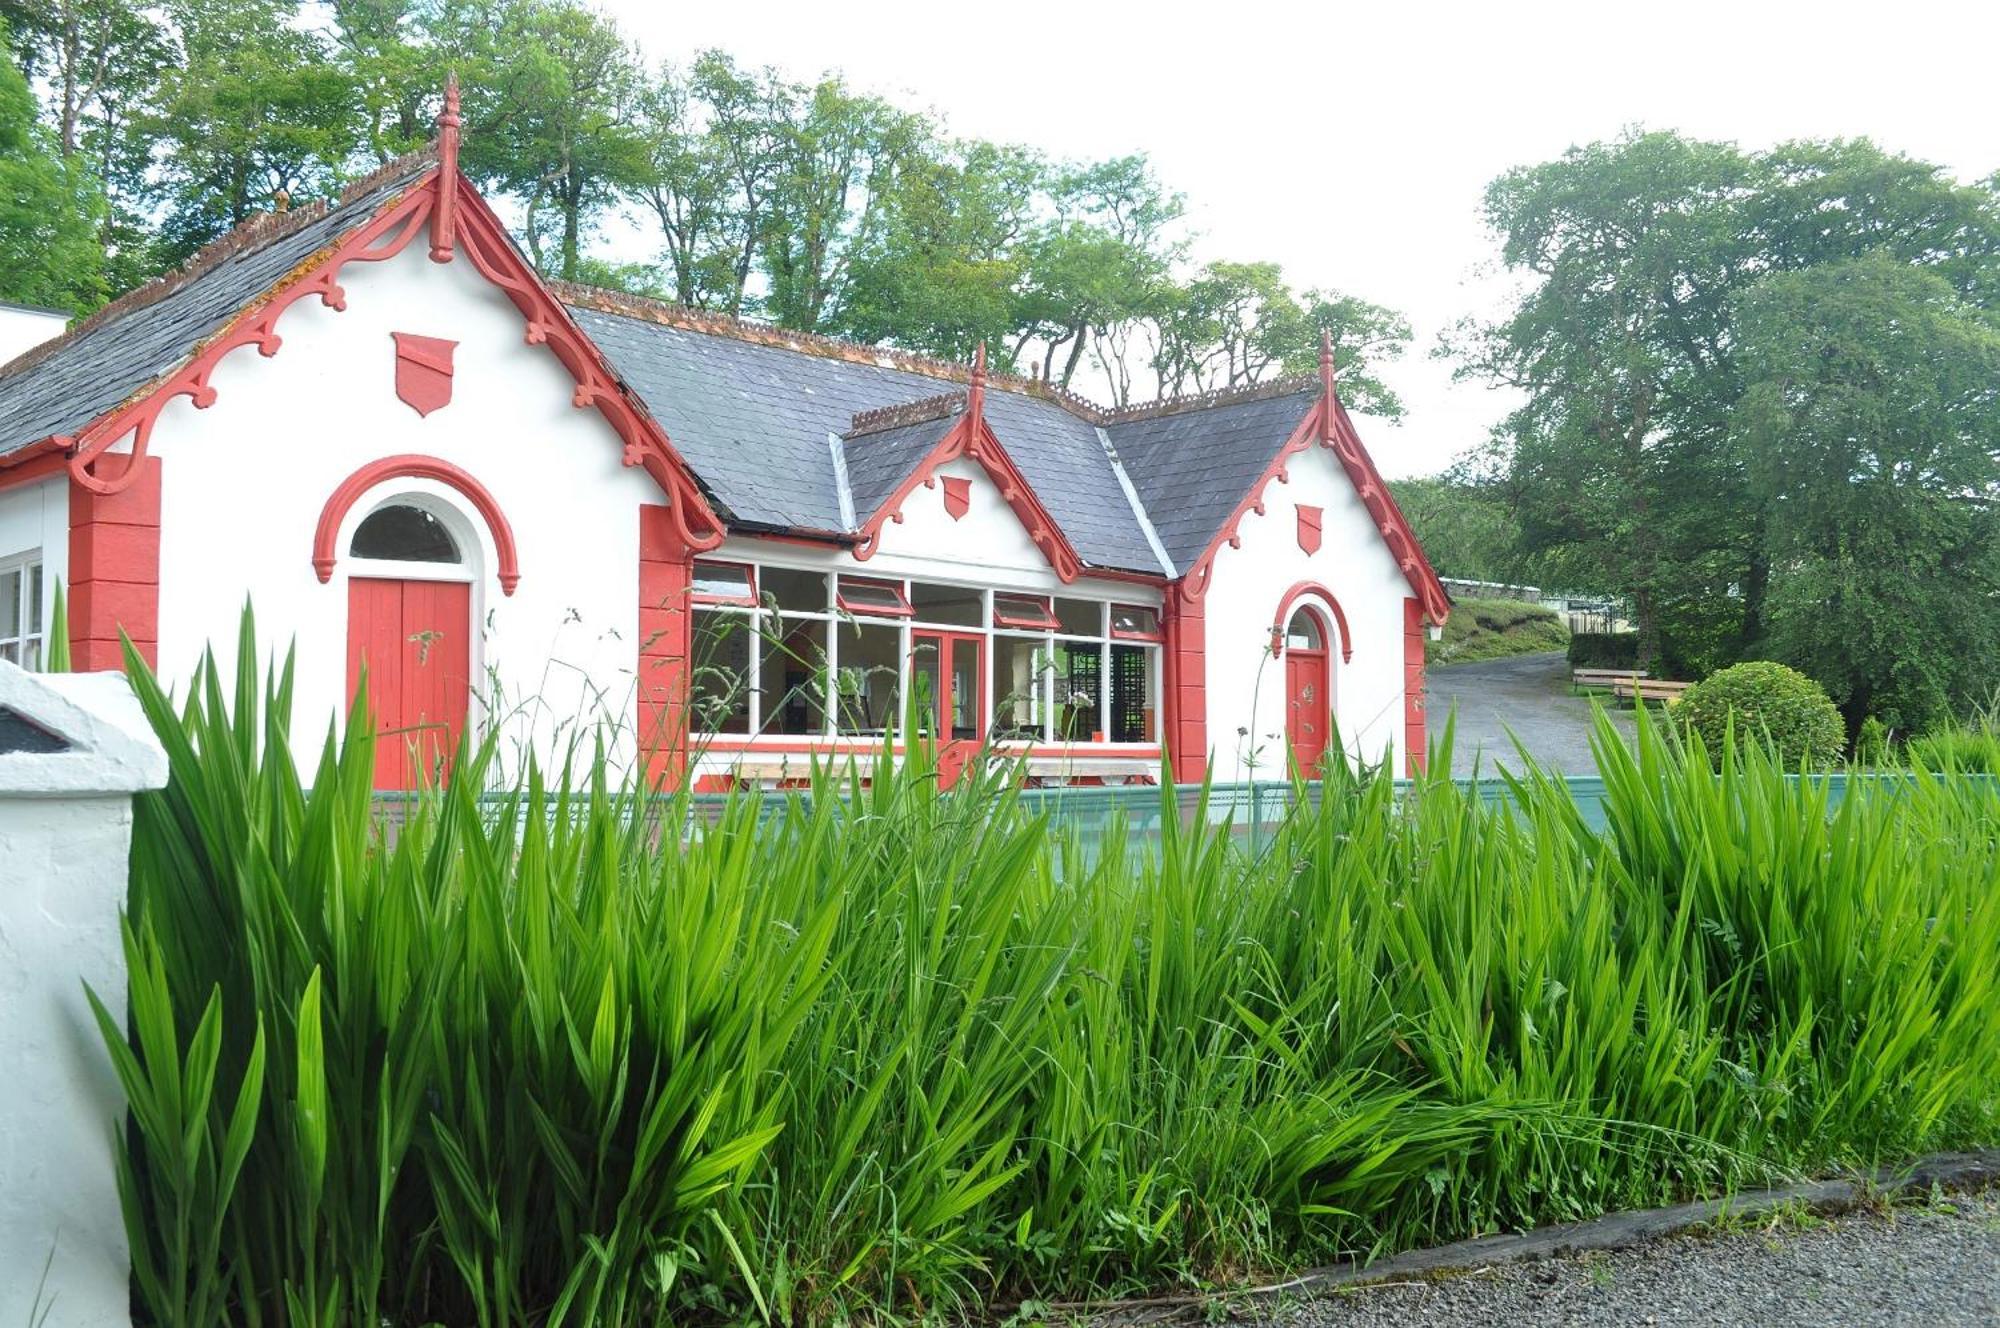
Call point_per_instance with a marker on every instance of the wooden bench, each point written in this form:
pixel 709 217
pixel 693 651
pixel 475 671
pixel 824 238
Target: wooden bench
pixel 1603 677
pixel 1649 689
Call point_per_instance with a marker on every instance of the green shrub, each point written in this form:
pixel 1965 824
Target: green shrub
pixel 587 1058
pixel 1969 748
pixel 1872 747
pixel 1763 700
pixel 1604 650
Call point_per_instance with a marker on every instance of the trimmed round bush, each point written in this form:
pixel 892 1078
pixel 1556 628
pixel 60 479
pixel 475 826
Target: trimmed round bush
pixel 1767 699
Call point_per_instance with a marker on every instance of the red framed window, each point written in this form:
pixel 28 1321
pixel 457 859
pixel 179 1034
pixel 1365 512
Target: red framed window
pixel 725 583
pixel 1027 612
pixel 1135 622
pixel 876 599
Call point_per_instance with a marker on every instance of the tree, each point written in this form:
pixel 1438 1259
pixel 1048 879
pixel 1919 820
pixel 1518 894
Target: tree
pixel 1620 344
pixel 100 62
pixel 256 112
pixel 1873 412
pixel 556 106
pixel 49 208
pixel 838 158
pixel 1237 323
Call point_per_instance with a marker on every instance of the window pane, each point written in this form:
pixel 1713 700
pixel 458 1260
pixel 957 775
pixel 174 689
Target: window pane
pixel 1080 617
pixel 872 597
pixel 869 683
pixel 1303 634
pixel 1022 611
pixel 966 656
pixel 1079 675
pixel 792 673
pixel 34 575
pixel 31 654
pixel 1135 619
pixel 1135 672
pixel 1019 668
pixel 722 580
pixel 793 591
pixel 10 604
pixel 721 673
pixel 947 604
pixel 405 533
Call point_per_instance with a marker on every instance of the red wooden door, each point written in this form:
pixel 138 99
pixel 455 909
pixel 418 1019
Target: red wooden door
pixel 1306 706
pixel 949 668
pixel 414 639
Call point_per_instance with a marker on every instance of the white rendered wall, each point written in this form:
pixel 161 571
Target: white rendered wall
pixel 1246 685
pixel 243 484
pixel 23 329
pixel 65 838
pixel 36 516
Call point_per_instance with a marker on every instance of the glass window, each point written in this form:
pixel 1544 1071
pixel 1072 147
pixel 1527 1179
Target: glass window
pixel 1021 668
pixel 1303 634
pixel 724 583
pixel 720 669
pixel 792 675
pixel 405 533
pixel 1080 617
pixel 793 591
pixel 954 605
pixel 873 597
pixel 21 612
pixel 1134 620
pixel 868 685
pixel 1079 695
pixel 1030 611
pixel 1135 689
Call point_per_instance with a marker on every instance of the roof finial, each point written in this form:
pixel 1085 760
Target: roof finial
pixel 975 398
pixel 1326 384
pixel 444 216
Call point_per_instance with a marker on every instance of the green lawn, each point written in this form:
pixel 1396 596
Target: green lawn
pixel 1496 629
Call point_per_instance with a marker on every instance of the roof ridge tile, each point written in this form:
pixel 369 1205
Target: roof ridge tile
pixel 883 418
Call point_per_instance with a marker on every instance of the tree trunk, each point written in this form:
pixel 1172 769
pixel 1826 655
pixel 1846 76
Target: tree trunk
pixel 1647 614
pixel 1075 354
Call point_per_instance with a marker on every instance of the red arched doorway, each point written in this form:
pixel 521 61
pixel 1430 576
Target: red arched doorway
pixel 1308 688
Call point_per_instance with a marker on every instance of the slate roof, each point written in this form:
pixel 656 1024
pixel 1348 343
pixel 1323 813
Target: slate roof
pixel 878 462
pixel 61 387
pixel 757 413
pixel 1193 467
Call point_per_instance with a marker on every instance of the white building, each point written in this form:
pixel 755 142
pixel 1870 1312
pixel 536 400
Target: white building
pixel 527 508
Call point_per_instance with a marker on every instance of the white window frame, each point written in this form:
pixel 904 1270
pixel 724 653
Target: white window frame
pixel 33 629
pixel 760 619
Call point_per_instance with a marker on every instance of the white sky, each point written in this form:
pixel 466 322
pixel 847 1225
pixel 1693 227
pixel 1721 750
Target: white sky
pixel 1351 143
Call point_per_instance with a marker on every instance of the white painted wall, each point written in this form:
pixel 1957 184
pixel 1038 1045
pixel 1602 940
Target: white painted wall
pixel 22 328
pixel 244 483
pixel 1246 685
pixel 65 838
pixel 36 516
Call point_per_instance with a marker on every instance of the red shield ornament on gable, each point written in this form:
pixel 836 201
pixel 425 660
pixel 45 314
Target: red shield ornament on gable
pixel 1309 528
pixel 957 496
pixel 423 371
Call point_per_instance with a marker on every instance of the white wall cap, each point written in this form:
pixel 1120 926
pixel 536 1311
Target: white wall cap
pixel 111 747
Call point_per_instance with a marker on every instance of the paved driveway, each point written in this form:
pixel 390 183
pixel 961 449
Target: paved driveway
pixel 1527 697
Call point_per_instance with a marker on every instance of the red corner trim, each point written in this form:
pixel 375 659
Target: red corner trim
pixel 384 237
pixel 1416 753
pixel 1325 597
pixel 325 554
pixel 970 437
pixel 1327 422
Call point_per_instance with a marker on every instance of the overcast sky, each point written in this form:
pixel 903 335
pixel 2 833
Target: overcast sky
pixel 1351 143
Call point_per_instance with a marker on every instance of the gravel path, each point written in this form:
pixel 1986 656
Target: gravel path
pixel 1933 1263
pixel 1527 694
